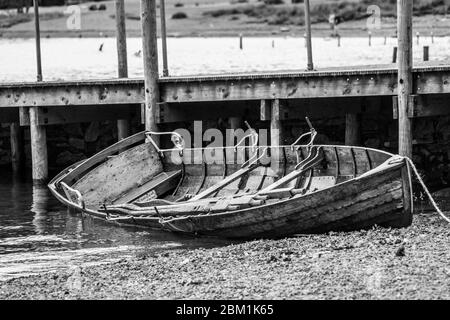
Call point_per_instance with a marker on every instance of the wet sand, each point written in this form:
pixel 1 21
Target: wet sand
pixel 379 263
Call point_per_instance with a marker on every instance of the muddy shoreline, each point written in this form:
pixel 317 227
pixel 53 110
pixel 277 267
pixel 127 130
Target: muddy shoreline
pixel 379 263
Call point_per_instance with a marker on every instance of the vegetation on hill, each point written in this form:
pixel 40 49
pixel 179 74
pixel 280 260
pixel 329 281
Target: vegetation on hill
pixel 344 10
pixel 8 21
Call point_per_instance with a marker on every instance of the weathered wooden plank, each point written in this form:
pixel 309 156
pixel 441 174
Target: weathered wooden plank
pixel 150 52
pixel 367 81
pixel 72 93
pixel 160 184
pixel 39 155
pixel 102 155
pixel 294 88
pixel 227 181
pixel 17 146
pixel 123 125
pixel 352 129
pixel 405 76
pixel 118 175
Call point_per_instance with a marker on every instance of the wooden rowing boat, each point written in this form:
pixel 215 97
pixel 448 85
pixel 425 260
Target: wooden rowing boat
pixel 311 189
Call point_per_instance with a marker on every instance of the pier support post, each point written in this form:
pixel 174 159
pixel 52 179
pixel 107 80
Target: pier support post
pixel 426 53
pixel 16 139
pixel 123 126
pixel 235 123
pixel 276 136
pixel 162 7
pixel 310 66
pixel 150 50
pixel 38 40
pixel 38 133
pixel 38 148
pixel 405 81
pixel 404 76
pixel 352 129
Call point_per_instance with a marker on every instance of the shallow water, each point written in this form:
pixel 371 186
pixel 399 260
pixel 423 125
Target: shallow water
pixel 38 233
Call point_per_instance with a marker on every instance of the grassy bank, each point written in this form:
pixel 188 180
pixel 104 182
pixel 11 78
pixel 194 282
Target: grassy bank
pixel 7 21
pixel 379 263
pixel 320 12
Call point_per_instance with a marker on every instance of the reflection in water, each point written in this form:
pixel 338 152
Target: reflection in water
pixel 39 208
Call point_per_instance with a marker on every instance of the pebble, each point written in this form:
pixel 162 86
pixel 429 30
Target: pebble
pixel 293 268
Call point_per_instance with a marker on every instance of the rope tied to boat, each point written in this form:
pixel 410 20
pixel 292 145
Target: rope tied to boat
pixel 427 192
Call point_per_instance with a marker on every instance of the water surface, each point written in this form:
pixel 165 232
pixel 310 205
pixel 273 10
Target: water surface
pixel 70 59
pixel 38 233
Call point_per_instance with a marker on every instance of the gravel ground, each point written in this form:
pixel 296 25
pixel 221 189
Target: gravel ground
pixel 379 263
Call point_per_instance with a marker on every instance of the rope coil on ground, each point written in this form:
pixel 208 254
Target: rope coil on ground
pixel 427 192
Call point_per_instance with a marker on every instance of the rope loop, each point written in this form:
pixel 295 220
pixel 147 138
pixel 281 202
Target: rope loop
pixel 427 192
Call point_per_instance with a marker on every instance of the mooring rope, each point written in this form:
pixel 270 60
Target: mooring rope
pixel 427 192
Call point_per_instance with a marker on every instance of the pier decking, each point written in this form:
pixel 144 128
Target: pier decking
pixel 118 98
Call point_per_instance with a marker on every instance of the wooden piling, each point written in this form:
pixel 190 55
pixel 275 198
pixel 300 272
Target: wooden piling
pixel 38 133
pixel 38 40
pixel 426 53
pixel 370 38
pixel 310 66
pixel 405 40
pixel 162 8
pixel 418 38
pixel 16 139
pixel 38 148
pixel 339 40
pixel 123 126
pixel 241 45
pixel 150 53
pixel 404 26
pixel 352 129
pixel 236 123
pixel 121 38
pixel 276 136
pixel 394 55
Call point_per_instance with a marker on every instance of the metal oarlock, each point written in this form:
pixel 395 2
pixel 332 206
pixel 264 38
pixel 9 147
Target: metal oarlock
pixel 312 133
pixel 254 138
pixel 176 139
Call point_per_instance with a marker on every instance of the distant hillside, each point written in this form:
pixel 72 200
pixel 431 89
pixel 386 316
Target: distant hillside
pixel 13 4
pixel 277 12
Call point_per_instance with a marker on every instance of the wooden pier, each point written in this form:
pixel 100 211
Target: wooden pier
pixel 409 92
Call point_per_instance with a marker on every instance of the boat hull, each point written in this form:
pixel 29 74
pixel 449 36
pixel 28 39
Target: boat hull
pixel 347 188
pixel 375 199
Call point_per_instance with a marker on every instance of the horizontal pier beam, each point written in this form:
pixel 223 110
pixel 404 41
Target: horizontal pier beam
pixel 56 94
pixel 237 87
